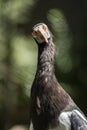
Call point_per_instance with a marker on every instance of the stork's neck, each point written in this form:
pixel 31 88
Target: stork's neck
pixel 46 57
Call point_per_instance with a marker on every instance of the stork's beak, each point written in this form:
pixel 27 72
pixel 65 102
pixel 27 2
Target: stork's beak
pixel 40 33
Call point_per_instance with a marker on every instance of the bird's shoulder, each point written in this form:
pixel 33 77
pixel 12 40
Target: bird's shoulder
pixel 78 120
pixel 72 120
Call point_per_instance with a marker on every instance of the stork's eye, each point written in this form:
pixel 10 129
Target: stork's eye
pixel 35 32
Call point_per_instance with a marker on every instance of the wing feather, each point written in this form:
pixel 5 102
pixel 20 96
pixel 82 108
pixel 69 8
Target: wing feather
pixel 78 121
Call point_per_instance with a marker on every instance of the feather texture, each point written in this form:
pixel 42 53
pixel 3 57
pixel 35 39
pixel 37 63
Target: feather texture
pixel 51 107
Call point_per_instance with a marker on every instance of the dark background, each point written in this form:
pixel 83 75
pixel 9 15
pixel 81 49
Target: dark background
pixel 18 53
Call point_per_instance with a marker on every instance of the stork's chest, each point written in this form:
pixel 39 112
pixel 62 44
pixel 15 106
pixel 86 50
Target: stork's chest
pixel 62 123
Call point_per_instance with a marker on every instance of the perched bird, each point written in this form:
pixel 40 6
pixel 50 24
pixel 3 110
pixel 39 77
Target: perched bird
pixel 51 108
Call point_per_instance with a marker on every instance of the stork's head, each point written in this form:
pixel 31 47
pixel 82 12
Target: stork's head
pixel 41 33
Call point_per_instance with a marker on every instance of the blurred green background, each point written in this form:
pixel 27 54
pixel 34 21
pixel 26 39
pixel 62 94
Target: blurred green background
pixel 18 53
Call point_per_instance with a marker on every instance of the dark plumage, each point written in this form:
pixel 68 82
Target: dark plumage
pixel 50 106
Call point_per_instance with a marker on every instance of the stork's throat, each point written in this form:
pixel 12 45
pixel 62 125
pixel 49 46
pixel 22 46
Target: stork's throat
pixel 46 58
pixel 45 69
